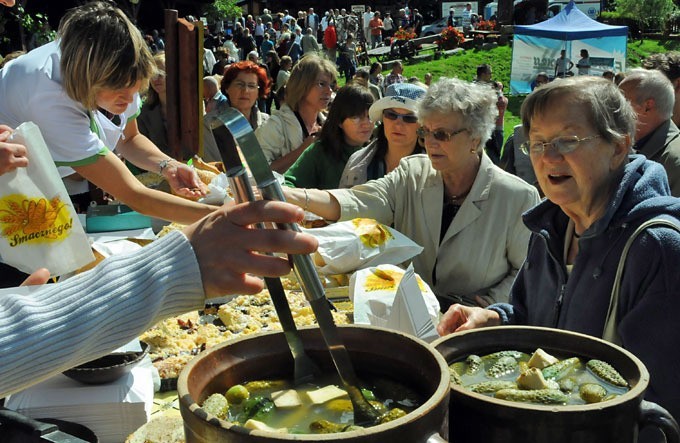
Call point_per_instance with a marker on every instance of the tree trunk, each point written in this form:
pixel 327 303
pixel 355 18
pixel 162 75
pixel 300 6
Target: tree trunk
pixel 504 13
pixel 22 33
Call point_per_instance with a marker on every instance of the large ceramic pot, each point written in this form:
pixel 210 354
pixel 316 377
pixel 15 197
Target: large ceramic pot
pixel 374 351
pixel 477 418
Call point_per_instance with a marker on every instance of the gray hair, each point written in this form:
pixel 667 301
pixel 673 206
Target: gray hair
pixel 652 84
pixel 210 82
pixel 612 115
pixel 476 102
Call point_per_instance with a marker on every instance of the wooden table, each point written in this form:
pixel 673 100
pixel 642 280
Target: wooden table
pixel 382 53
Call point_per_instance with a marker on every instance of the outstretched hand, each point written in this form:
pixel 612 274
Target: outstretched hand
pixel 461 318
pixel 231 252
pixel 184 180
pixel 12 155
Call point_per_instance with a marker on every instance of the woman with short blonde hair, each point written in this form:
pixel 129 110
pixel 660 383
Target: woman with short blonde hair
pixel 82 91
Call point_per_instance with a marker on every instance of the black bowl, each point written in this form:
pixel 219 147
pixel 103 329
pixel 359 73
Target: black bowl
pixel 108 368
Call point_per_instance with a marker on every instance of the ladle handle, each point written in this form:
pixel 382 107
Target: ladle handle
pixel 652 414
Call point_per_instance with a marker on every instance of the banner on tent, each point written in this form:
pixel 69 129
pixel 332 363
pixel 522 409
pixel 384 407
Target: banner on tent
pixel 532 55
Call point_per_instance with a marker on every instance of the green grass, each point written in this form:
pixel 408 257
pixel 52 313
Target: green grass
pixel 464 65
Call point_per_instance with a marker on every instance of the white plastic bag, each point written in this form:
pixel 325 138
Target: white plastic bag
pixel 38 225
pixel 344 247
pixel 390 297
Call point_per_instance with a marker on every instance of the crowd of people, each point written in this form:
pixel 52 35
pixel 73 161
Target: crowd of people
pixel 499 247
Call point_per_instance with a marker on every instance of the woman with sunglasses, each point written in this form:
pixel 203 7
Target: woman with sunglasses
pixel 464 210
pixel 243 84
pixel 395 135
pixel 580 135
pixel 347 128
pixel 290 130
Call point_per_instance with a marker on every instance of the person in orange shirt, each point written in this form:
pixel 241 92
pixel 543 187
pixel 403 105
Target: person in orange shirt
pixel 376 25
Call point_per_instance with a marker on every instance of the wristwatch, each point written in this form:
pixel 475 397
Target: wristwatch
pixel 162 165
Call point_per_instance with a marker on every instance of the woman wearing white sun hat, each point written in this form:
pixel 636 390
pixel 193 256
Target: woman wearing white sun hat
pixel 395 135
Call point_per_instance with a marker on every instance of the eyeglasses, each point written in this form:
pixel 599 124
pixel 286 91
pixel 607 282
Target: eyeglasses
pixel 360 119
pixel 324 85
pixel 247 86
pixel 406 118
pixel 439 134
pixel 563 145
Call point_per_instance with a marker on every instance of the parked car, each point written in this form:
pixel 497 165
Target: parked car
pixel 435 27
pixel 439 25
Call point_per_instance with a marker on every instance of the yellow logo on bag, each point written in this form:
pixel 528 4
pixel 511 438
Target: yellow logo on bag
pixel 386 280
pixel 371 233
pixel 34 220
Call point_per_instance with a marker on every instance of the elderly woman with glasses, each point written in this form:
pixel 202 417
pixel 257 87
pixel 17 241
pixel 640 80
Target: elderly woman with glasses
pixel 395 136
pixel 295 126
pixel 243 83
pixel 464 210
pixel 598 194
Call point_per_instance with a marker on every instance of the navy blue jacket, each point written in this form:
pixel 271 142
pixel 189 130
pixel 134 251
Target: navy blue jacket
pixel 649 299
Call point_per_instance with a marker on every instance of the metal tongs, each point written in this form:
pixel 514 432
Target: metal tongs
pixel 230 125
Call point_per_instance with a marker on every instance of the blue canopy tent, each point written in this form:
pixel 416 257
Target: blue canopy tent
pixel 536 47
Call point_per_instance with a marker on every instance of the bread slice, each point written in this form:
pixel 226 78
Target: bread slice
pixel 166 428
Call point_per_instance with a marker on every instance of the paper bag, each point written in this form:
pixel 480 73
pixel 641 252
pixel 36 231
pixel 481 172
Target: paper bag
pixel 360 243
pixel 38 225
pixel 390 297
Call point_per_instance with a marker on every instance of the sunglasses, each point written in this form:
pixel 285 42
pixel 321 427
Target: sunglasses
pixel 439 134
pixel 406 118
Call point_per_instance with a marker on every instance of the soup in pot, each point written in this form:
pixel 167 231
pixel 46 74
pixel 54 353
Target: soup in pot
pixel 320 407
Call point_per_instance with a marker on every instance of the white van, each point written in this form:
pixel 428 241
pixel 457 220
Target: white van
pixel 590 8
pixel 492 8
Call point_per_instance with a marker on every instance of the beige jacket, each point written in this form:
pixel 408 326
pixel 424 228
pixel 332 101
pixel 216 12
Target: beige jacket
pixel 484 246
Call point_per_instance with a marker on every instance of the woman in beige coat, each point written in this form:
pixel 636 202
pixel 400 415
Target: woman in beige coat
pixel 464 210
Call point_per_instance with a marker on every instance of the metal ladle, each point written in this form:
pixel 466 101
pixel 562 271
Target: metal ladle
pixel 304 367
pixel 233 121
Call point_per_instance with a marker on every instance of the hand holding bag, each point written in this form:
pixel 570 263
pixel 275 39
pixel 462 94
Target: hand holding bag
pixel 38 224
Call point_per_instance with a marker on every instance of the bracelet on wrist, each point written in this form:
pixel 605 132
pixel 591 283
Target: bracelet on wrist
pixel 162 165
pixel 306 200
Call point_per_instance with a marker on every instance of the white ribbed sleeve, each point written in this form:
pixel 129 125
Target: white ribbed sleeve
pixel 66 324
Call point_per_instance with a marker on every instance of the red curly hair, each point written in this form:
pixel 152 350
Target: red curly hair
pixel 248 67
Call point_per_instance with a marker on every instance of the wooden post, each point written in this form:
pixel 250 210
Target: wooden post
pixel 184 84
pixel 171 82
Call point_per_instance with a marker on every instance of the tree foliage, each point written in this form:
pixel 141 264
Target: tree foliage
pixel 222 9
pixel 32 26
pixel 650 14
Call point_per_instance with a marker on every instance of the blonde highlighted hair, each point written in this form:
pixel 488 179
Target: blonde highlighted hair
pixel 101 49
pixel 304 77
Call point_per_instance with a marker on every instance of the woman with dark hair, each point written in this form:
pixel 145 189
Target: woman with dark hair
pixel 395 136
pixel 243 83
pixel 583 64
pixel 346 129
